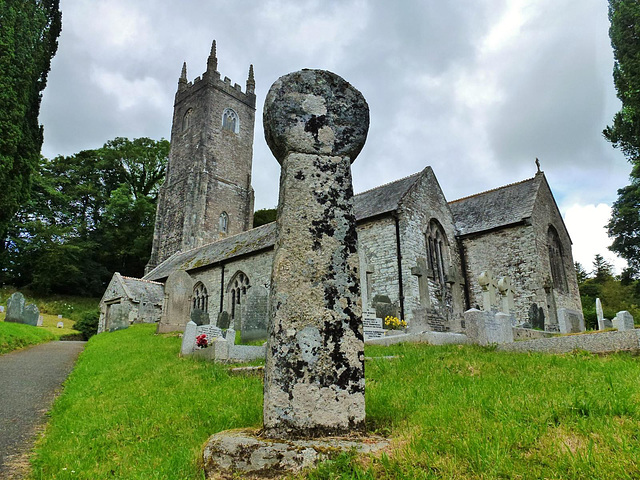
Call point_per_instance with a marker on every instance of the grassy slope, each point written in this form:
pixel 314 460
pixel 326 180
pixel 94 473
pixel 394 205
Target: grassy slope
pixel 133 409
pixel 14 336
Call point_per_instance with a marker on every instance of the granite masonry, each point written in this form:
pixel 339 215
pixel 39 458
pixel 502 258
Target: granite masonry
pixel 419 255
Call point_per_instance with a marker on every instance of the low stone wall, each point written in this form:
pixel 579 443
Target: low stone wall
pixel 601 342
pixel 433 338
pixel 529 334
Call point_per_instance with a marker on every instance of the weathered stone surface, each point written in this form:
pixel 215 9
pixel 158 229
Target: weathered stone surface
pixel 236 452
pixel 315 123
pixel 18 312
pixel 224 320
pixel 623 321
pixel 176 311
pixel 599 342
pixel 570 321
pixel 199 317
pixel 315 112
pixel 486 328
pixel 31 315
pixel 15 308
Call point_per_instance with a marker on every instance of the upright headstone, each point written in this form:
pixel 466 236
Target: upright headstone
pixel 30 315
pixel 1 308
pixel 623 321
pixel 15 308
pixel 372 325
pixel 488 285
pixel 176 311
pixel 506 292
pixel 315 124
pixel 603 323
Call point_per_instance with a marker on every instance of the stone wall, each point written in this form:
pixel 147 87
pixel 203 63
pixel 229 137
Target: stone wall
pixel 209 169
pixel 424 204
pixel 510 251
pixel 252 312
pixel 377 253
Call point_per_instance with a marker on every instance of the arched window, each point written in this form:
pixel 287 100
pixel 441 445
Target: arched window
pixel 437 251
pixel 200 297
pixel 230 121
pixel 224 222
pixel 186 119
pixel 237 287
pixel 556 260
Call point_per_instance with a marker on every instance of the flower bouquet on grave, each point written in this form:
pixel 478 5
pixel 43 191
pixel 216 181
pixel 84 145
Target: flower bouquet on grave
pixel 201 341
pixel 394 323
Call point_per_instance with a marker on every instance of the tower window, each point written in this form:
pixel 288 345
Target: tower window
pixel 186 120
pixel 230 121
pixel 224 222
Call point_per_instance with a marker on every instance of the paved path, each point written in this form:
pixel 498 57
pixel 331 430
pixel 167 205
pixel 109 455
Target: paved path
pixel 29 380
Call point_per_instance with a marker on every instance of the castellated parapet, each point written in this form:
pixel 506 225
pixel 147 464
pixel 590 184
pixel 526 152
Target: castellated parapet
pixel 207 194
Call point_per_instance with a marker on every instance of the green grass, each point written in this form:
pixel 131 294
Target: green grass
pixel 133 409
pixel 14 336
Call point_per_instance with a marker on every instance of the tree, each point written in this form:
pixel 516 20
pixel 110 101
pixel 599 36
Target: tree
pixel 264 216
pixel 624 133
pixel 28 41
pixel 581 273
pixel 602 270
pixel 90 214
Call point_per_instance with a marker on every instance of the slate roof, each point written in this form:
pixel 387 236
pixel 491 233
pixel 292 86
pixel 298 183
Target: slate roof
pixel 496 208
pixel 138 289
pixel 382 199
pixel 237 245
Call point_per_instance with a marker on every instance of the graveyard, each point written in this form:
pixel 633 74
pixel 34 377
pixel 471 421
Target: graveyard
pixel 448 411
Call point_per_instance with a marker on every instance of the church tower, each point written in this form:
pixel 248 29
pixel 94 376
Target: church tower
pixel 207 193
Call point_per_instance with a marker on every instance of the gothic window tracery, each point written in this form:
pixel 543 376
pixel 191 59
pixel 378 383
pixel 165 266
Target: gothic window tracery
pixel 200 297
pixel 224 222
pixel 186 119
pixel 437 252
pixel 230 120
pixel 238 287
pixel 556 260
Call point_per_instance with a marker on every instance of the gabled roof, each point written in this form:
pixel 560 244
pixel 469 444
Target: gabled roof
pixel 383 199
pixel 377 201
pixel 138 289
pixel 496 208
pixel 231 247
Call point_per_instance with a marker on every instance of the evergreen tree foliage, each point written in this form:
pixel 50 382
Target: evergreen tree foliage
pixel 624 133
pixel 29 31
pixel 90 214
pixel 264 216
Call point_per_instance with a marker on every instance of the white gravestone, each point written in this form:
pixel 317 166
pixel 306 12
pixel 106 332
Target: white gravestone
pixel 623 321
pixel 1 308
pixel 372 325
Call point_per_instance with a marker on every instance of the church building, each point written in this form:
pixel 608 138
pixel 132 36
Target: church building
pixel 420 255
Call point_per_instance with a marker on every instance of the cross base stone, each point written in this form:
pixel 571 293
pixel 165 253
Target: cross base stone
pixel 244 452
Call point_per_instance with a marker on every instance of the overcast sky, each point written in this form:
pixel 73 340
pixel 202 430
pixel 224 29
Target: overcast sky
pixel 477 89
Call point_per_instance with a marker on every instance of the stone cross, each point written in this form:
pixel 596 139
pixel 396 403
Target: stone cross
pixel 423 282
pixel 488 284
pixel 506 292
pixel 315 124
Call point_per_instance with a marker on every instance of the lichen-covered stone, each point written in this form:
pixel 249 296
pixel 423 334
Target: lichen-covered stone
pixel 316 112
pixel 314 373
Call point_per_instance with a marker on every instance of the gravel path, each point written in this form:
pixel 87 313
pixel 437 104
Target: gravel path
pixel 29 380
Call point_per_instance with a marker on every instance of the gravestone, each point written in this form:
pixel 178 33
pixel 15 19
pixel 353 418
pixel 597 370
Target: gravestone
pixel 372 325
pixel 315 124
pixel 199 316
pixel 486 328
pixel 224 319
pixel 31 315
pixel 536 317
pixel 506 293
pixel 192 331
pixel 176 311
pixel 40 320
pixel 384 307
pixel 623 321
pixel 1 308
pixel 488 285
pixel 18 312
pixel 15 308
pixel 60 325
pixel 570 321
